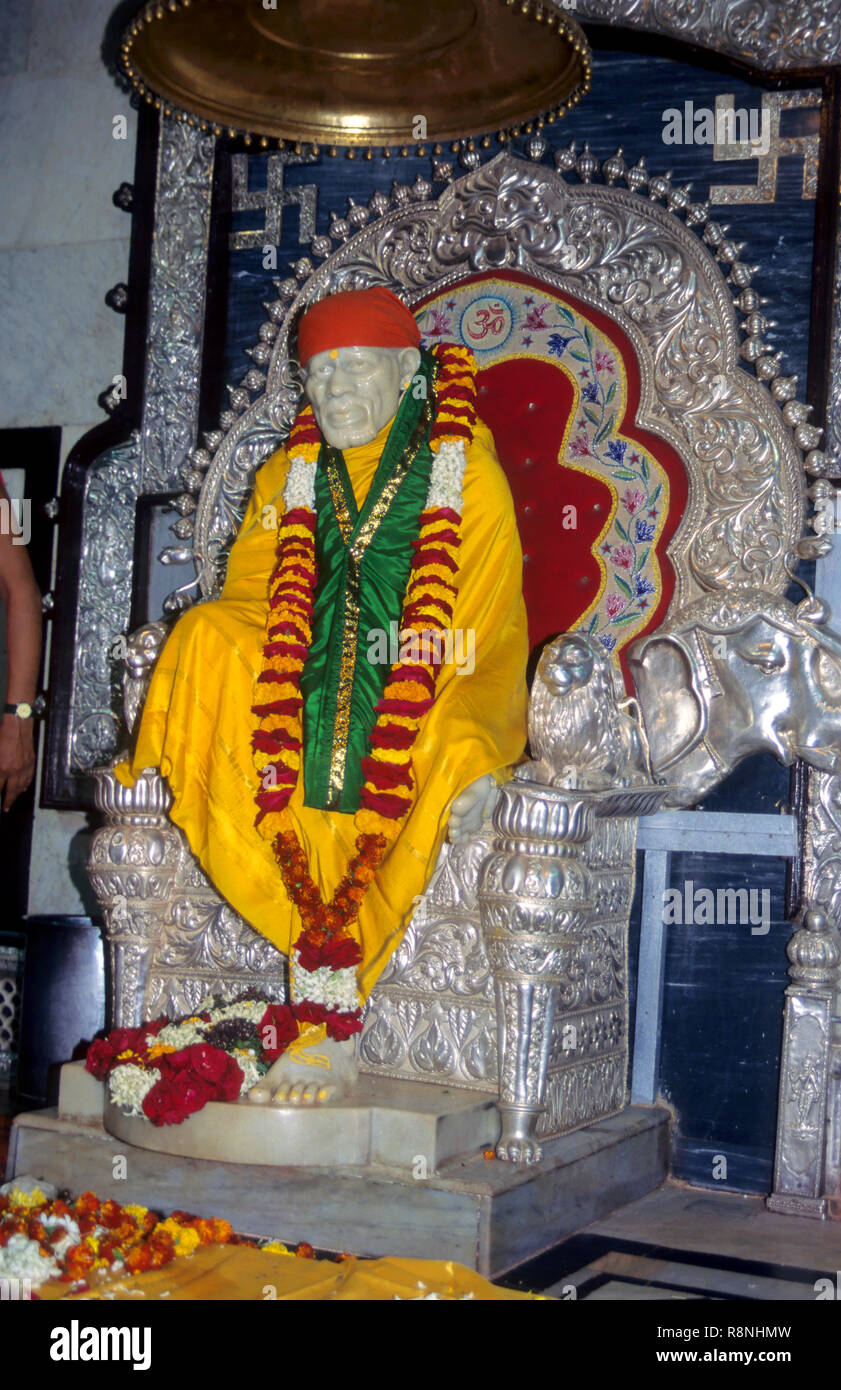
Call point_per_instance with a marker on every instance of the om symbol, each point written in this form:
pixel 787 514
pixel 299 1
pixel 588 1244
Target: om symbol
pixel 486 323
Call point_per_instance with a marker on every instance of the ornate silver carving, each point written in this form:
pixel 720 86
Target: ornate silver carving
pixel 613 249
pixel 814 953
pixel 555 918
pixel 833 414
pixel 431 1015
pixel 767 34
pixel 555 895
pixel 251 441
pixel 112 486
pixel 132 865
pixel 176 301
pixel 808 1174
pixel 171 939
pixel 151 461
pixel 724 656
pixel 11 979
pixel 581 732
pixel 142 651
pixel 534 905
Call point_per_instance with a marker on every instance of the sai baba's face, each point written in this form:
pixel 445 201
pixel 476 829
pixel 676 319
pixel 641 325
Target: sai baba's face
pixel 355 391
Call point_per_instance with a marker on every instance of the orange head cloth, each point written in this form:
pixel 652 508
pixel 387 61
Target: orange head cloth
pixel 356 318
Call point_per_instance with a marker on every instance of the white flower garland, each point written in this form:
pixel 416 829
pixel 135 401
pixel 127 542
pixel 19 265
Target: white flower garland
pixel 72 1234
pixel 446 479
pixel 447 476
pixel 250 1009
pixel 21 1258
pixel 334 989
pixel 299 490
pixel 128 1086
pixel 246 1060
pixel 179 1035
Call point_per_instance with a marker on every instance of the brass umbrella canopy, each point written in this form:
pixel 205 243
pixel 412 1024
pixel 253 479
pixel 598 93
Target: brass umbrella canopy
pixel 359 73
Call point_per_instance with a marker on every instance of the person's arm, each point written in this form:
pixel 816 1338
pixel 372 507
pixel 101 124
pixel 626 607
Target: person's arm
pixel 22 601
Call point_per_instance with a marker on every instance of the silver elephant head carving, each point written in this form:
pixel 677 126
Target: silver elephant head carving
pixel 582 731
pixel 737 674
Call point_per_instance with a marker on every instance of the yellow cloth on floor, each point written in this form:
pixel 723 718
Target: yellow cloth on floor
pixel 197 725
pixel 227 1272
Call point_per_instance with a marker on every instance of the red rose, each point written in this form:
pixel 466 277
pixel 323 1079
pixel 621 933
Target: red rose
pixel 204 1070
pixel 99 1059
pixel 343 1025
pixel 193 1092
pixel 162 1105
pixel 335 952
pixel 103 1053
pixel 230 1083
pixel 172 1099
pixel 306 1012
pixel 197 1074
pixel 208 1062
pixel 220 1072
pixel 341 952
pixel 171 1063
pixel 126 1039
pixel 309 956
pixel 277 1029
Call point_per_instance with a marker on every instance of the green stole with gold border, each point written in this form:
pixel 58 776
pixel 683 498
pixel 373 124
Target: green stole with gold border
pixel 364 562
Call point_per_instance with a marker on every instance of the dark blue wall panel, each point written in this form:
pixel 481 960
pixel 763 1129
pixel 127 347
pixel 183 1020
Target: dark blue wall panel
pixel 625 106
pixel 722 1025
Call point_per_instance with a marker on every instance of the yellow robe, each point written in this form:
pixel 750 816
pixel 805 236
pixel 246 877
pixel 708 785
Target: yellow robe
pixel 196 724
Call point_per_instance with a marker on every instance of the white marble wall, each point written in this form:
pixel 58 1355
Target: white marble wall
pixel 63 244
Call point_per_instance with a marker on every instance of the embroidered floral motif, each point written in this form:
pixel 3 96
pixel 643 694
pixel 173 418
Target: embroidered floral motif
pixel 549 329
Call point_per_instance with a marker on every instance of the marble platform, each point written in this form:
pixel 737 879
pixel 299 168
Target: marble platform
pixel 484 1213
pixel 400 1124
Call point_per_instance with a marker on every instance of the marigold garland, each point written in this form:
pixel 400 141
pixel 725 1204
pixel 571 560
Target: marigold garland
pixel 389 788
pixel 81 1242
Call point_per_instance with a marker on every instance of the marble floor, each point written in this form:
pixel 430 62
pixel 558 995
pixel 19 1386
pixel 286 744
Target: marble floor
pixel 681 1243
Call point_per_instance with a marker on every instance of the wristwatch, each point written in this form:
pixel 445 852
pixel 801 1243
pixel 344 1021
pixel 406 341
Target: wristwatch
pixel 23 709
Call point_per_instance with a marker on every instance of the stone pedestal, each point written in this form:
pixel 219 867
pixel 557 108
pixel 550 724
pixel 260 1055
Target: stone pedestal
pixel 398 1123
pixel 486 1214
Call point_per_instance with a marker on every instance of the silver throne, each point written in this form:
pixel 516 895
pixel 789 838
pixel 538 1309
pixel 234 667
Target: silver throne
pixel 511 976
